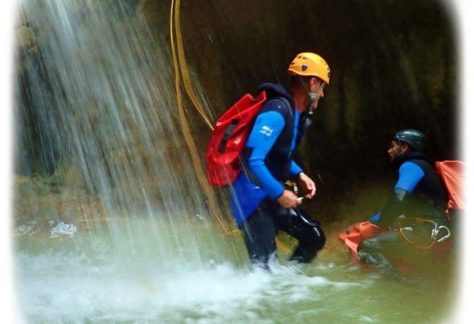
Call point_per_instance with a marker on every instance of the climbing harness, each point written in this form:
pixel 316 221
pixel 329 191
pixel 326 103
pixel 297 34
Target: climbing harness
pixel 438 233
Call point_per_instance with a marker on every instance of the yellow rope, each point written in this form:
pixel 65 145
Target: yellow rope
pixel 179 64
pixel 184 68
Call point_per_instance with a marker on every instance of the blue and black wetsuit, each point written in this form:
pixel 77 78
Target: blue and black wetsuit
pixel 417 193
pixel 266 164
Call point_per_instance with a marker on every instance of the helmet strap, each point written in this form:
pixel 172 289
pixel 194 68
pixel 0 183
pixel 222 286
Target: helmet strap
pixel 310 109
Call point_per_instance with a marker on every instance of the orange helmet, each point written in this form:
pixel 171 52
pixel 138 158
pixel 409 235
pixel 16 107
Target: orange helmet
pixel 310 64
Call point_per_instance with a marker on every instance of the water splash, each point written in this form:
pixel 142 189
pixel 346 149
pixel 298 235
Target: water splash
pixel 61 229
pixel 91 282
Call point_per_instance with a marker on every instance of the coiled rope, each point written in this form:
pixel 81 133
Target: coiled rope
pixel 435 232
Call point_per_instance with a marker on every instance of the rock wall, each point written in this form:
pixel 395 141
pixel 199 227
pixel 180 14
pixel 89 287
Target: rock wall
pixel 393 64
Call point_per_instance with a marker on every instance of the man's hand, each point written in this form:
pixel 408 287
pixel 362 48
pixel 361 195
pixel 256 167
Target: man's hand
pixel 288 199
pixel 307 185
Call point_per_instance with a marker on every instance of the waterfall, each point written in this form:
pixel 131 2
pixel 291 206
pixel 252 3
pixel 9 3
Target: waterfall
pixel 96 113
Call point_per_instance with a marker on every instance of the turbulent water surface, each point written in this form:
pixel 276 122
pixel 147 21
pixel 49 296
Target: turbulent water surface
pixel 91 277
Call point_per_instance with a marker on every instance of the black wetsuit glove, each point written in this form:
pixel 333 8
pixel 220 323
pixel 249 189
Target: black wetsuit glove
pixel 393 208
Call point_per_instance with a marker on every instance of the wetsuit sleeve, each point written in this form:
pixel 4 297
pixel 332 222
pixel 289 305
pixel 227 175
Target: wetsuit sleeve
pixel 295 169
pixel 263 135
pixel 409 175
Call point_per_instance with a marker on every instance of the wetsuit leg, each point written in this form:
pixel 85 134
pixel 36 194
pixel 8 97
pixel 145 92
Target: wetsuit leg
pixel 308 232
pixel 259 236
pixel 390 251
pixel 377 250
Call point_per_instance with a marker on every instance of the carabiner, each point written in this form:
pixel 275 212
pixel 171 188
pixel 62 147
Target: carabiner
pixel 443 238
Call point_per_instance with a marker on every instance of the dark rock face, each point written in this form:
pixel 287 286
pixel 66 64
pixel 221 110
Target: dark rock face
pixel 393 65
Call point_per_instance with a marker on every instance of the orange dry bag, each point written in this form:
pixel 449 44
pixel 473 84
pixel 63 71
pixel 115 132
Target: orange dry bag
pixel 228 139
pixel 355 234
pixel 451 173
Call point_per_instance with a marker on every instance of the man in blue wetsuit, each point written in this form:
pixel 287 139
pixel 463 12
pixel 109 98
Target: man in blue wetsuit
pixel 418 195
pixel 260 202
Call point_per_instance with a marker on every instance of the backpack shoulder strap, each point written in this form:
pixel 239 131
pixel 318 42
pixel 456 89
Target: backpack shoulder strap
pixel 287 104
pixel 283 103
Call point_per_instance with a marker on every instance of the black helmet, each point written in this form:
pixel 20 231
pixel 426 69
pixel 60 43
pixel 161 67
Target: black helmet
pixel 416 139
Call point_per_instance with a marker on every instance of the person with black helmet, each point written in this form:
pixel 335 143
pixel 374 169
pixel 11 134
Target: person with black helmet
pixel 418 197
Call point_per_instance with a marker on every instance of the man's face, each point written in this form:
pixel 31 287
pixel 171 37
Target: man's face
pixel 396 149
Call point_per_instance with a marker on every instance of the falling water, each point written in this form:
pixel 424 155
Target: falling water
pixel 111 223
pixel 96 119
pixel 99 84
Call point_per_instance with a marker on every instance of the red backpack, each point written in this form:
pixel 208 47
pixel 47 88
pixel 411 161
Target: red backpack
pixel 228 139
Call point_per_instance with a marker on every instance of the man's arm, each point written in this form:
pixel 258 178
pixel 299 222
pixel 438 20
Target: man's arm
pixel 409 175
pixel 263 136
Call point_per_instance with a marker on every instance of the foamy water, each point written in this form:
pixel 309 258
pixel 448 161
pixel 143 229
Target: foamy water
pixel 88 278
pixel 75 288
